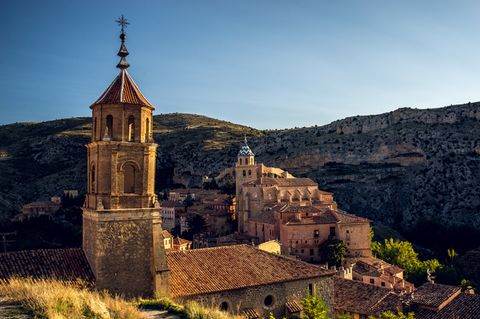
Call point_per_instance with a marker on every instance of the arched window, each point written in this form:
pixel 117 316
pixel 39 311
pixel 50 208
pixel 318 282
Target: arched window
pixel 244 173
pixel 240 161
pixel 92 179
pixel 109 127
pixel 249 172
pixel 224 306
pixel 131 129
pixel 129 179
pixel 147 130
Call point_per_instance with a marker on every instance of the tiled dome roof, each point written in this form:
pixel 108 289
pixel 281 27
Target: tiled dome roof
pixel 245 150
pixel 123 90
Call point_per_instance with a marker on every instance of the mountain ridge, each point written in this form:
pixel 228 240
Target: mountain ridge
pixel 397 167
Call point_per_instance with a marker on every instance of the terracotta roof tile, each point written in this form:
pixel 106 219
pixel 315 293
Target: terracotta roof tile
pixel 63 264
pixel 463 306
pixel 123 90
pixel 358 297
pixel 224 268
pixel 434 295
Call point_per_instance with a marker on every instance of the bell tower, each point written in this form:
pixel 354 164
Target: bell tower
pixel 121 216
pixel 245 171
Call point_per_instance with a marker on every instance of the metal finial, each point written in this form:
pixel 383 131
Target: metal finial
pixel 123 52
pixel 123 22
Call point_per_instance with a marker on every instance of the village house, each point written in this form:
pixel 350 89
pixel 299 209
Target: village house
pixel 36 209
pixel 170 212
pixel 380 273
pixel 175 243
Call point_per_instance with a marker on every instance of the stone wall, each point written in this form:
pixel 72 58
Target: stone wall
pixel 254 297
pixel 123 251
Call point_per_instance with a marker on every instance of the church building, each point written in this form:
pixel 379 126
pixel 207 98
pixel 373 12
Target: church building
pixel 275 205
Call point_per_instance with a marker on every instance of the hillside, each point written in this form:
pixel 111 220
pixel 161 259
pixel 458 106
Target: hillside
pixel 399 168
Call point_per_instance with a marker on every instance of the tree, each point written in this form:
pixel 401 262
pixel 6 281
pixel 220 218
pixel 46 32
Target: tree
pixel 451 253
pixel 334 252
pixel 314 308
pixel 402 254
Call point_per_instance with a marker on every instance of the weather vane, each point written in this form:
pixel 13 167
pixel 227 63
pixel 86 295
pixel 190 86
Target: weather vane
pixel 122 21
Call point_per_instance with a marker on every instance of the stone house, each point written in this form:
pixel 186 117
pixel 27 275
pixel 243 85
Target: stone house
pixel 303 230
pixel 170 212
pixel 35 209
pixel 244 279
pixel 380 273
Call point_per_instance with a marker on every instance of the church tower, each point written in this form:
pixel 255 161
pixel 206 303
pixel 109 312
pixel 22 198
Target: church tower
pixel 122 237
pixel 245 171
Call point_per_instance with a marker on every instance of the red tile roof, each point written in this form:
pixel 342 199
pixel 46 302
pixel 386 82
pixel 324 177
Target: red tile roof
pixel 209 270
pixel 123 90
pixel 463 306
pixel 434 295
pixel 62 264
pixel 357 297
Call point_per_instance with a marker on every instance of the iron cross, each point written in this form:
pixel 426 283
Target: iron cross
pixel 122 21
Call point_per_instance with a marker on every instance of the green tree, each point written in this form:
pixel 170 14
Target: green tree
pixel 314 308
pixel 451 253
pixel 334 253
pixel 402 254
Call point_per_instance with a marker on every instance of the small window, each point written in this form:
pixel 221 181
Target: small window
pixel 240 160
pixel 348 231
pixel 268 301
pixel 316 233
pixel 311 252
pixel 109 127
pixel 147 130
pixel 310 289
pixel 332 231
pixel 249 172
pixel 244 173
pixel 383 284
pixel 302 251
pixel 372 281
pixel 224 306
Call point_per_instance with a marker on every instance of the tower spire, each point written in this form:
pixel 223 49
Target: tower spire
pixel 123 52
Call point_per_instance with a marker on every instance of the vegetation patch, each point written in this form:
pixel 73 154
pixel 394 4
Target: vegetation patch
pixel 51 299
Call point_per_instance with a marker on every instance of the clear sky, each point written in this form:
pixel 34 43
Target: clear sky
pixel 266 64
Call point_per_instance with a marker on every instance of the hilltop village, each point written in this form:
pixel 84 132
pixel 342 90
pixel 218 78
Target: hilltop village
pixel 252 253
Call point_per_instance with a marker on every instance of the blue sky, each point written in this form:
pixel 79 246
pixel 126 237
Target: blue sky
pixel 266 64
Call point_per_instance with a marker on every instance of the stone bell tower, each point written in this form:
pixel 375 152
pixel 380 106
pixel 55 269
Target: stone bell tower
pixel 121 217
pixel 245 171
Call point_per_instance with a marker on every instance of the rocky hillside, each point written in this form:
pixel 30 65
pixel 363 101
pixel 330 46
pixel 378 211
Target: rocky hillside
pixel 398 167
